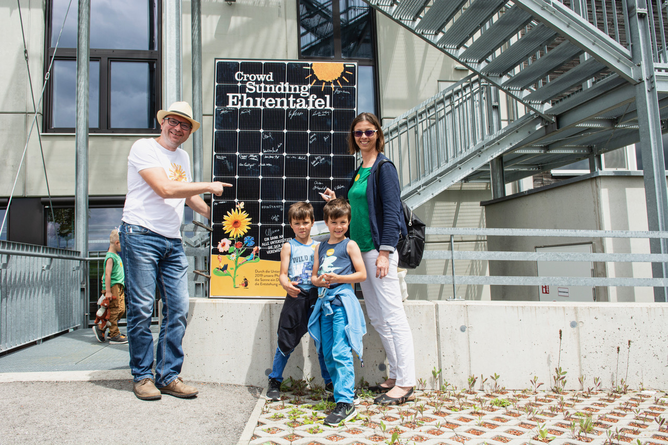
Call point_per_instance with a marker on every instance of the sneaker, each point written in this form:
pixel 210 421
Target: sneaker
pixel 329 388
pixel 120 339
pixel 274 390
pixel 146 390
pixel 179 389
pixel 342 412
pixel 99 333
pixel 356 399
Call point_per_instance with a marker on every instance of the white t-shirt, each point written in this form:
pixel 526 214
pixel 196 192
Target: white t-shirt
pixel 143 206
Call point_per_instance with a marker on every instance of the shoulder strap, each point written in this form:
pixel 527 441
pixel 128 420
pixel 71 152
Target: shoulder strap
pixel 380 164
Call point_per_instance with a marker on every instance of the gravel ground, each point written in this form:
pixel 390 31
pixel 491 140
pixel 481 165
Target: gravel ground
pixel 107 411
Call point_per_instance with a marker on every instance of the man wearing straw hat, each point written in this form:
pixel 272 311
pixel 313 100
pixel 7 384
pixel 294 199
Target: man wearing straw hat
pixel 159 183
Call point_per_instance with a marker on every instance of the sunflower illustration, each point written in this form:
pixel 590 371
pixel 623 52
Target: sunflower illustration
pixel 236 223
pixel 176 173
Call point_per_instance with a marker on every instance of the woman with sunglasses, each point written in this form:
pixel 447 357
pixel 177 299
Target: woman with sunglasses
pixel 377 221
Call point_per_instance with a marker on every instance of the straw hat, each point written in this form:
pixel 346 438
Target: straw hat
pixel 181 109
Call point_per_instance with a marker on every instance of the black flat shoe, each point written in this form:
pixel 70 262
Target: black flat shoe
pixel 384 399
pixel 379 389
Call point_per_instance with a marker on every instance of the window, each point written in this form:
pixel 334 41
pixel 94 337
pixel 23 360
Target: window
pixel 124 89
pixel 342 30
pixel 3 232
pixel 101 220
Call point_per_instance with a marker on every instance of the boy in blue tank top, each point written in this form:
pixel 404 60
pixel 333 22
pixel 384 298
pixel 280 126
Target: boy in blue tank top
pixel 297 258
pixel 337 322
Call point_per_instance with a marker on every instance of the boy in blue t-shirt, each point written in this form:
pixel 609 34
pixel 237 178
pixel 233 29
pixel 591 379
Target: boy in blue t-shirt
pixel 337 322
pixel 297 258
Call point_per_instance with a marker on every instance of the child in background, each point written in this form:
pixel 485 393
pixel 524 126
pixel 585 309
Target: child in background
pixel 113 282
pixel 297 257
pixel 337 322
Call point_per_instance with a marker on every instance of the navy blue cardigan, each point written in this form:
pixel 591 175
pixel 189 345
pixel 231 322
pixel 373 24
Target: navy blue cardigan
pixel 385 211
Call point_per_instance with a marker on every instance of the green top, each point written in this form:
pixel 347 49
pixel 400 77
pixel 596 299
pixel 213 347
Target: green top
pixel 360 227
pixel 117 274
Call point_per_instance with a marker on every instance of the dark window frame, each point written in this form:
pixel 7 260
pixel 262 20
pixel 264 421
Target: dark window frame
pixel 338 50
pixel 105 57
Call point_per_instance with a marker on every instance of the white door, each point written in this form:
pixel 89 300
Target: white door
pixel 565 269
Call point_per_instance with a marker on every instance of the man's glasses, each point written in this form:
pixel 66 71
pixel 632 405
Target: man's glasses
pixel 367 133
pixel 185 126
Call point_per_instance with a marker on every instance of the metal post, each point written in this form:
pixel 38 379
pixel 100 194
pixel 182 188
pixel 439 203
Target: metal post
pixel 198 143
pixel 81 145
pixel 452 261
pixel 171 60
pixel 497 176
pixel 651 145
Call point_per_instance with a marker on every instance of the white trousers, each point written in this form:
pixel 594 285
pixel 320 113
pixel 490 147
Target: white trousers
pixel 386 313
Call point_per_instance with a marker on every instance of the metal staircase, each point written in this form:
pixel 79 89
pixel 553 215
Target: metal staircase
pixel 553 83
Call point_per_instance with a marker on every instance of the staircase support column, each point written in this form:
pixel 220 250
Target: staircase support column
pixel 595 163
pixel 651 145
pixel 497 177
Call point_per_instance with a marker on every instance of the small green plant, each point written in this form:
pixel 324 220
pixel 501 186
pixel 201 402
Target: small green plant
pixel 421 384
pixel 535 384
pixel 559 380
pixel 482 382
pixel 622 388
pixel 495 377
pixel 597 384
pixel 585 425
pixel 435 373
pixel 324 405
pixel 501 403
pixel 471 381
pixel 542 433
pixel 660 421
pixel 582 379
pixel 394 439
pixel 315 429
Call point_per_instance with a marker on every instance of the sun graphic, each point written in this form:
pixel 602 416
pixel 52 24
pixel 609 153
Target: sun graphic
pixel 236 223
pixel 176 173
pixel 328 72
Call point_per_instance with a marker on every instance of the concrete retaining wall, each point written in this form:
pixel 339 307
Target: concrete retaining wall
pixel 233 341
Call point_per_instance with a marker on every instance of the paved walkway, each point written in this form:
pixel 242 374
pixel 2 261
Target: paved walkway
pixel 71 389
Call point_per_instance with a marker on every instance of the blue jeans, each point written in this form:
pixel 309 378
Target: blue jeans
pixel 151 260
pixel 338 353
pixel 281 360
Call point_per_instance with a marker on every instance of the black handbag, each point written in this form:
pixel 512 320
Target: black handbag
pixel 410 248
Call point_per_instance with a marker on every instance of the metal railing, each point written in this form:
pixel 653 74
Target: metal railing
pixel 445 130
pixel 41 292
pixel 610 251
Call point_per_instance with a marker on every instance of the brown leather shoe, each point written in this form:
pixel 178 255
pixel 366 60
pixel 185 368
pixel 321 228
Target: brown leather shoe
pixel 179 389
pixel 146 390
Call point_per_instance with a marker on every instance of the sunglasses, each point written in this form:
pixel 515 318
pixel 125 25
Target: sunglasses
pixel 185 126
pixel 367 133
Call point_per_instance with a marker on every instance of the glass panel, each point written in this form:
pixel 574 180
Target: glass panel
pixel 3 232
pixel 316 28
pixel 130 101
pixel 65 94
pixel 366 90
pixel 68 38
pixel 355 29
pixel 60 233
pixel 101 221
pixel 118 24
